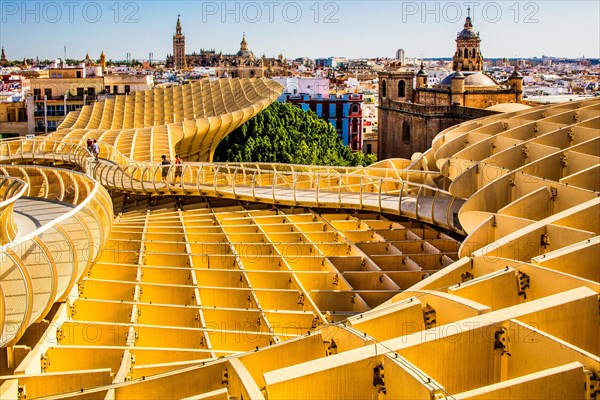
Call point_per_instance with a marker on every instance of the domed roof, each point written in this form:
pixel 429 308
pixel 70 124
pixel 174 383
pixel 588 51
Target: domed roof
pixel 468 32
pixel 244 52
pixel 472 78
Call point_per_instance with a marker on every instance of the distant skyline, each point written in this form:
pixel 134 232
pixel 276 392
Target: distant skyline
pixel 353 29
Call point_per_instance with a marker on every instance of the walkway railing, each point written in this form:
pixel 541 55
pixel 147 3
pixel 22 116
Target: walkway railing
pixel 69 219
pixel 11 189
pixel 377 189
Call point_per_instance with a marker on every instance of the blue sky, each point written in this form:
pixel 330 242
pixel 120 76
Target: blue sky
pixel 298 28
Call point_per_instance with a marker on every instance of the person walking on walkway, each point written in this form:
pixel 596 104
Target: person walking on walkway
pixel 165 168
pixel 178 170
pixel 96 149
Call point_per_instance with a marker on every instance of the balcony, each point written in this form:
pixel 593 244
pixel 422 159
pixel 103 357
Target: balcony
pixel 40 113
pixel 48 98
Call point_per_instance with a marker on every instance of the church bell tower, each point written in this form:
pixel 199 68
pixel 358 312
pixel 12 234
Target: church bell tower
pixel 179 61
pixel 468 52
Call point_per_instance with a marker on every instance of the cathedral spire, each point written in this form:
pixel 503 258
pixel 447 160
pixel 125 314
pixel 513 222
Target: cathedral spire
pixel 468 21
pixel 178 26
pixel 244 44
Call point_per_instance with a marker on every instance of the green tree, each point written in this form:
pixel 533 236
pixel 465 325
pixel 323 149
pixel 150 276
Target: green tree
pixel 284 133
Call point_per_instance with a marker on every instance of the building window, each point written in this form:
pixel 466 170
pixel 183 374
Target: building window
pixel 369 149
pixel 48 93
pixel 37 93
pixel 115 89
pixel 55 111
pixel 401 89
pixel 79 92
pixel 107 89
pixel 91 91
pixel 52 125
pixel 383 89
pixel 79 74
pixel 355 108
pixel 405 132
pixel 127 89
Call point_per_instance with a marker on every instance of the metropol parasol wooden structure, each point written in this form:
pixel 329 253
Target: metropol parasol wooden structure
pixel 470 272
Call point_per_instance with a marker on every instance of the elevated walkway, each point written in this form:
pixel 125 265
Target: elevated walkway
pixel 382 190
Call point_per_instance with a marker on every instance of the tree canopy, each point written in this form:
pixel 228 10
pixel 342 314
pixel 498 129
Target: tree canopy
pixel 284 133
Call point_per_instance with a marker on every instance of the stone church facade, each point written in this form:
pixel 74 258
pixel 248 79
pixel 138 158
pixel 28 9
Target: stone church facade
pixel 411 114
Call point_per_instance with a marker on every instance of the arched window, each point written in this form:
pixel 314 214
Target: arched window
pixel 459 53
pixel 383 89
pixel 354 108
pixel 401 89
pixel 473 53
pixel 405 132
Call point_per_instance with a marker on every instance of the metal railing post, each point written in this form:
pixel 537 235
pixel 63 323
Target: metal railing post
pixel 295 178
pixel 155 170
pixel 215 182
pixel 143 179
pixel 122 176
pixel 380 187
pixel 433 206
pixel 361 191
pixel 417 203
pixel 200 171
pixel 233 183
pixel 400 199
pixel 317 189
pixel 131 179
pixel 254 185
pixel 183 171
pixel 340 190
pixel 274 182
